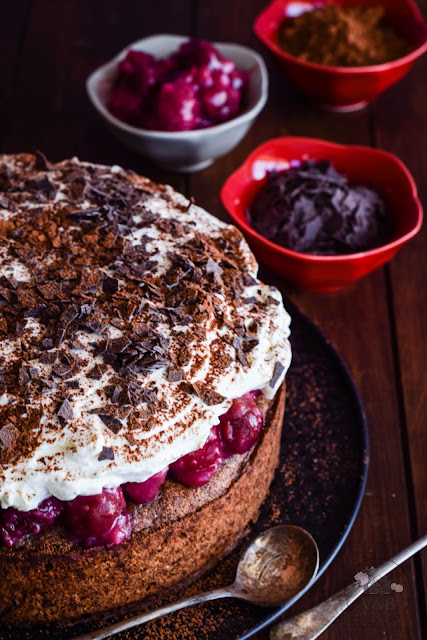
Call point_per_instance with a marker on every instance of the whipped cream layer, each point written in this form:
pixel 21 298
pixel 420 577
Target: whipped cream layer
pixel 130 319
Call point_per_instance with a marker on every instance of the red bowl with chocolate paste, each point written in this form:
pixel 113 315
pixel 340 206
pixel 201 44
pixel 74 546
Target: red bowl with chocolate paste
pixel 352 87
pixel 361 165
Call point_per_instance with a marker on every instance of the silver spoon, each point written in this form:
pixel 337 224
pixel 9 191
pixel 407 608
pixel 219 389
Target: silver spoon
pixel 276 566
pixel 312 623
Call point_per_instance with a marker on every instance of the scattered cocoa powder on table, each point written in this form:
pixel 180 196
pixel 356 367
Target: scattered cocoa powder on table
pixel 342 36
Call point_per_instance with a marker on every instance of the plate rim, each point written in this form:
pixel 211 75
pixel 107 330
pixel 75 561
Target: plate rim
pixel 294 310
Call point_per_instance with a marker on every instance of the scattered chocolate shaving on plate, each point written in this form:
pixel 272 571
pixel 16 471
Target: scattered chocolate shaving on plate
pixel 101 311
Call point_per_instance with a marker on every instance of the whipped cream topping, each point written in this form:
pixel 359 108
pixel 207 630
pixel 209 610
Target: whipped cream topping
pixel 130 320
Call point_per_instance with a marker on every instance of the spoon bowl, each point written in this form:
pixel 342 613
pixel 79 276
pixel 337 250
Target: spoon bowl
pixel 276 566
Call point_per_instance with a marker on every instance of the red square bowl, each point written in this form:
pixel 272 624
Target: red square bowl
pixel 362 165
pixel 344 88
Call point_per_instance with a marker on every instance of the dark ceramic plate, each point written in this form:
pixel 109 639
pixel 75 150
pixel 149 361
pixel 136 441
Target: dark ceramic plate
pixel 319 485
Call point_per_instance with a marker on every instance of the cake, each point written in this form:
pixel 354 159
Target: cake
pixel 142 368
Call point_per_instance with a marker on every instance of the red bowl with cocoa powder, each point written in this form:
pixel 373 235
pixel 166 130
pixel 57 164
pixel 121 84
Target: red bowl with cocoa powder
pixel 361 165
pixel 345 88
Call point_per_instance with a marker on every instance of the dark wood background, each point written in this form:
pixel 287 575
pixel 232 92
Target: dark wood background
pixel 49 47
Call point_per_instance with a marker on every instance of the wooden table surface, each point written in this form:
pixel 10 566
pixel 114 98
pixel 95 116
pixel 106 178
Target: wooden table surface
pixel 378 324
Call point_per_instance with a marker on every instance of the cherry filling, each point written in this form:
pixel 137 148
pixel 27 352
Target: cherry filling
pixel 100 519
pixel 143 492
pixel 241 426
pixel 103 519
pixel 15 524
pixel 197 468
pixel 119 532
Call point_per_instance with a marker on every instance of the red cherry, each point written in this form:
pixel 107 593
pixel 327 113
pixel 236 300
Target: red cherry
pixel 176 107
pixel 241 426
pixel 200 53
pixel 15 525
pixel 125 105
pixel 87 516
pixel 143 492
pixel 196 469
pixel 120 532
pixel 137 72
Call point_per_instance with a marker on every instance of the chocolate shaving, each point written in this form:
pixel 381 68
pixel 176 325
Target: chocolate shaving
pixel 42 185
pixel 118 345
pixel 35 312
pixel 248 280
pixel 49 357
pixel 112 392
pixel 110 421
pixel 278 370
pixel 207 394
pixel 97 372
pixel 107 453
pixel 249 342
pixel 175 375
pixel 112 416
pixel 237 344
pixel 41 162
pixel 19 329
pixel 190 203
pixel 65 410
pixel 213 267
pixel 62 368
pixel 72 384
pixel 8 435
pixel 24 377
pixel 110 285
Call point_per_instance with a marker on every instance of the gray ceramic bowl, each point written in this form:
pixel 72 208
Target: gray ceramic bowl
pixel 182 151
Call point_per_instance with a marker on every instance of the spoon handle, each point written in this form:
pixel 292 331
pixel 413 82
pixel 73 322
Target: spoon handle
pixel 157 613
pixel 310 624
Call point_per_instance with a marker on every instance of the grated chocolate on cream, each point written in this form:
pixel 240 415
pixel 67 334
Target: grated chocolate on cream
pixel 130 319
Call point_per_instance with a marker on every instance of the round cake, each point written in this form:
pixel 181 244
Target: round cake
pixel 142 369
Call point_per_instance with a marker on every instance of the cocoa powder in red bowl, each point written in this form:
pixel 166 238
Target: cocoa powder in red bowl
pixel 344 88
pixel 355 36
